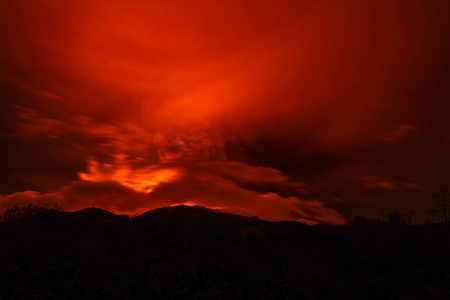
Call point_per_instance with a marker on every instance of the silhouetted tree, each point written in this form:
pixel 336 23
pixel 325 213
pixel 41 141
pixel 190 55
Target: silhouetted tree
pixel 16 212
pixel 434 216
pixel 410 216
pixel 363 222
pixel 442 205
pixel 394 217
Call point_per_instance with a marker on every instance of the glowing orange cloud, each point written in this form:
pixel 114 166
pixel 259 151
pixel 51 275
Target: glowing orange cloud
pixel 140 180
pixel 217 185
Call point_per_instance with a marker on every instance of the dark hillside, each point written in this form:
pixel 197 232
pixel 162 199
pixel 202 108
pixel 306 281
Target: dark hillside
pixel 196 253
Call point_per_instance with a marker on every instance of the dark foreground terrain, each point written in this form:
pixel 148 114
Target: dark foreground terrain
pixel 195 253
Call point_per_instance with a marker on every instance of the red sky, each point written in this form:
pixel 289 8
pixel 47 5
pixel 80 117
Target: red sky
pixel 298 110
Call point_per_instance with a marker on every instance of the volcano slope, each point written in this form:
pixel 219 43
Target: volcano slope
pixel 196 253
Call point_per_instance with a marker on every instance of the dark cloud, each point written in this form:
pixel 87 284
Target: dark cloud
pixel 38 163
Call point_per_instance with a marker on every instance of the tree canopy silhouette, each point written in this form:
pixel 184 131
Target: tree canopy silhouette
pixel 16 212
pixel 442 205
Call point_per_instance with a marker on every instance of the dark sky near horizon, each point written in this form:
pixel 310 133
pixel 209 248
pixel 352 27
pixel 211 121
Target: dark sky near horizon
pixel 288 110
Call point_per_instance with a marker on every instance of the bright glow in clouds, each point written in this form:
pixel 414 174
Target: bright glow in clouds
pixel 140 180
pixel 140 171
pixel 210 184
pixel 265 108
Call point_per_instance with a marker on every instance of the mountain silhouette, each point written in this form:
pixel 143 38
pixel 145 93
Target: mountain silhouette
pixel 197 253
pixel 97 214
